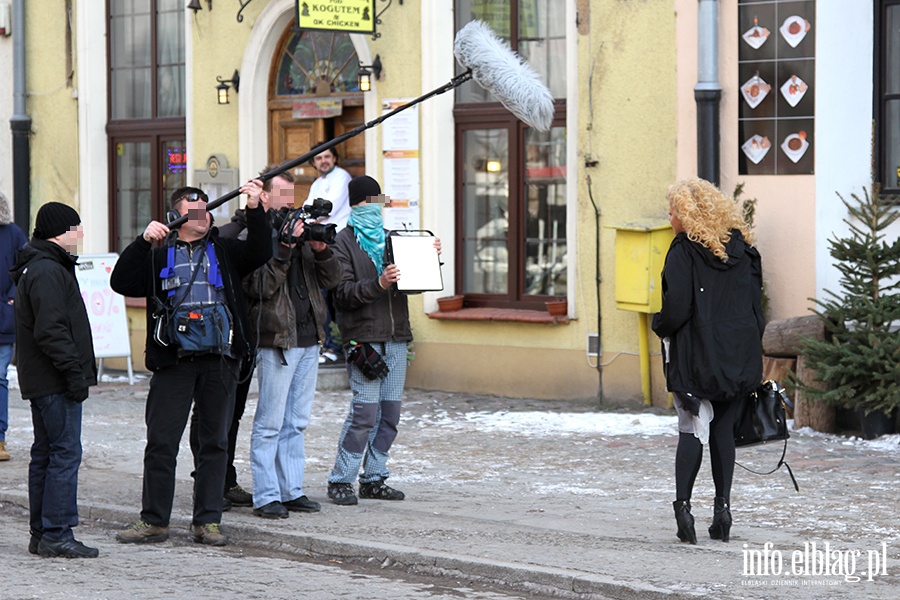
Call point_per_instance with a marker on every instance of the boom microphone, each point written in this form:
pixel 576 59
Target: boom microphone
pixel 488 60
pixel 499 70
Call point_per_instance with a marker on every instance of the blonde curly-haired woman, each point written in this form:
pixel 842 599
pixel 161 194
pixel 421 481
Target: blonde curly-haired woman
pixel 711 325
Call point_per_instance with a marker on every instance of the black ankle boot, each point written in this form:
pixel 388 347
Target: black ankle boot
pixel 685 521
pixel 721 524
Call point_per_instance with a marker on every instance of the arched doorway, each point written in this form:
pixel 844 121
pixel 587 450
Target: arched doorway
pixel 313 96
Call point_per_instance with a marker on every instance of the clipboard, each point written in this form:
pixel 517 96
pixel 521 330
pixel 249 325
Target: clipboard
pixel 413 253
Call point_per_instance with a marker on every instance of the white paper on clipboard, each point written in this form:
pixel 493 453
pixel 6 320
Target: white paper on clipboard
pixel 419 263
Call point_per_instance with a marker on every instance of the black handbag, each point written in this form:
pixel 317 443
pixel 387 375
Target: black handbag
pixel 761 418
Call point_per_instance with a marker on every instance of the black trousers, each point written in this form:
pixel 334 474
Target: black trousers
pixel 240 403
pixel 207 381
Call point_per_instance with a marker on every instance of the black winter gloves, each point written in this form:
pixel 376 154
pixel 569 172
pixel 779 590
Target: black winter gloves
pixel 77 392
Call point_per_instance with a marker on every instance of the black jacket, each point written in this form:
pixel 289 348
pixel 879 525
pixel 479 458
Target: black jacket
pixel 137 275
pixel 54 346
pixel 365 312
pixel 712 316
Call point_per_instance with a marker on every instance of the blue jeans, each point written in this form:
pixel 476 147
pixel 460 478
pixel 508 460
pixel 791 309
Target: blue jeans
pixel 6 352
pixel 277 446
pixel 53 471
pixel 371 425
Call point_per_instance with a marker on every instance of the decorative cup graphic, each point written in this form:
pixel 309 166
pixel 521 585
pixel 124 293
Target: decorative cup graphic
pixel 755 90
pixel 756 148
pixel 794 29
pixel 793 90
pixel 794 146
pixel 756 36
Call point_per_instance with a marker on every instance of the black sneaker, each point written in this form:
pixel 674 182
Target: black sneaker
pixel 302 504
pixel 342 494
pixel 378 490
pixel 33 543
pixel 226 504
pixel 238 496
pixel 272 510
pixel 70 548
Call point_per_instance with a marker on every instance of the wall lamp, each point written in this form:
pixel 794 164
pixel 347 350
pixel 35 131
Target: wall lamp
pixel 194 5
pixel 364 75
pixel 222 88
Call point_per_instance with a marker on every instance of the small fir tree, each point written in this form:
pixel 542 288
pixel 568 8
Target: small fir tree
pixel 858 362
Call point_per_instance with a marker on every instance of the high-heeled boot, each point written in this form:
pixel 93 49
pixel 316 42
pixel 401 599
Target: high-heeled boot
pixel 721 524
pixel 685 521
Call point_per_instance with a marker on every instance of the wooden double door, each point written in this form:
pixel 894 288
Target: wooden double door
pixel 291 137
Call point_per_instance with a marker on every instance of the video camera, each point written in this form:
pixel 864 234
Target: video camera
pixel 283 222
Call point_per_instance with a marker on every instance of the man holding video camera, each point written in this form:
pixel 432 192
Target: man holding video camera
pixel 287 313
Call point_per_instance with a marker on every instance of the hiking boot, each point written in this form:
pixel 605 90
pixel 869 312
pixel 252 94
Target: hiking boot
pixel 272 510
pixel 70 548
pixel 302 504
pixel 378 490
pixel 209 534
pixel 143 532
pixel 4 455
pixel 342 494
pixel 238 496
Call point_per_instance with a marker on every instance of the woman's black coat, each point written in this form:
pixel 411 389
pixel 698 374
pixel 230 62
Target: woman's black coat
pixel 712 316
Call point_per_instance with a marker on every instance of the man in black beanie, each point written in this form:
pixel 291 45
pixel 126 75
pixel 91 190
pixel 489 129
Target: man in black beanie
pixel 56 366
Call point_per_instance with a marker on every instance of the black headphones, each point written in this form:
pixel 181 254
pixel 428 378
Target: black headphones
pixel 171 216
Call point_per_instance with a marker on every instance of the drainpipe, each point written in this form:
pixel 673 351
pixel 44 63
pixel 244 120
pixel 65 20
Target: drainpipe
pixel 708 91
pixel 20 124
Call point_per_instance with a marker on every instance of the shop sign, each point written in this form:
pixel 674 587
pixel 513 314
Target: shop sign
pixel 316 109
pixel 350 16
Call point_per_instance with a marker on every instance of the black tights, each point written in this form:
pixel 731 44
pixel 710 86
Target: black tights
pixel 721 454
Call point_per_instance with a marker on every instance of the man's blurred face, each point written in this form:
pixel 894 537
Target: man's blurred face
pixel 71 240
pixel 281 195
pixel 198 222
pixel 324 162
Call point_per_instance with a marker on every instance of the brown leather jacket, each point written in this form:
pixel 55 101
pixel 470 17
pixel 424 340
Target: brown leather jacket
pixel 272 316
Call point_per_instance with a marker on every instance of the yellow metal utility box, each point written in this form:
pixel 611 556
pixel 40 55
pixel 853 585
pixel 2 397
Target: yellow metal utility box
pixel 640 255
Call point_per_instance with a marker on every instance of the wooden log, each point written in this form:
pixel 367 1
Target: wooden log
pixel 777 368
pixel 783 337
pixel 810 413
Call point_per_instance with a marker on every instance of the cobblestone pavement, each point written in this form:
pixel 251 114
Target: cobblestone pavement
pixel 185 570
pixel 511 492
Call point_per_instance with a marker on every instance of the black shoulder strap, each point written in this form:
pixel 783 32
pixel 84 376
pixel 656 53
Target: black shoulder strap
pixel 778 466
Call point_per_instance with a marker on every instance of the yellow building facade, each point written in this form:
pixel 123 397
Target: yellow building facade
pixel 615 152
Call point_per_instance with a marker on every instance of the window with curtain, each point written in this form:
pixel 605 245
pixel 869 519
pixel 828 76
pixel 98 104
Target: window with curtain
pixel 146 124
pixel 887 95
pixel 511 180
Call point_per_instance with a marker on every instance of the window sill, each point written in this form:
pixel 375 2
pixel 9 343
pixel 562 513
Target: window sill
pixel 500 314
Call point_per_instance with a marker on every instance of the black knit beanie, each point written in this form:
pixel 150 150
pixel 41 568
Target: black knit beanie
pixel 53 219
pixel 361 188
